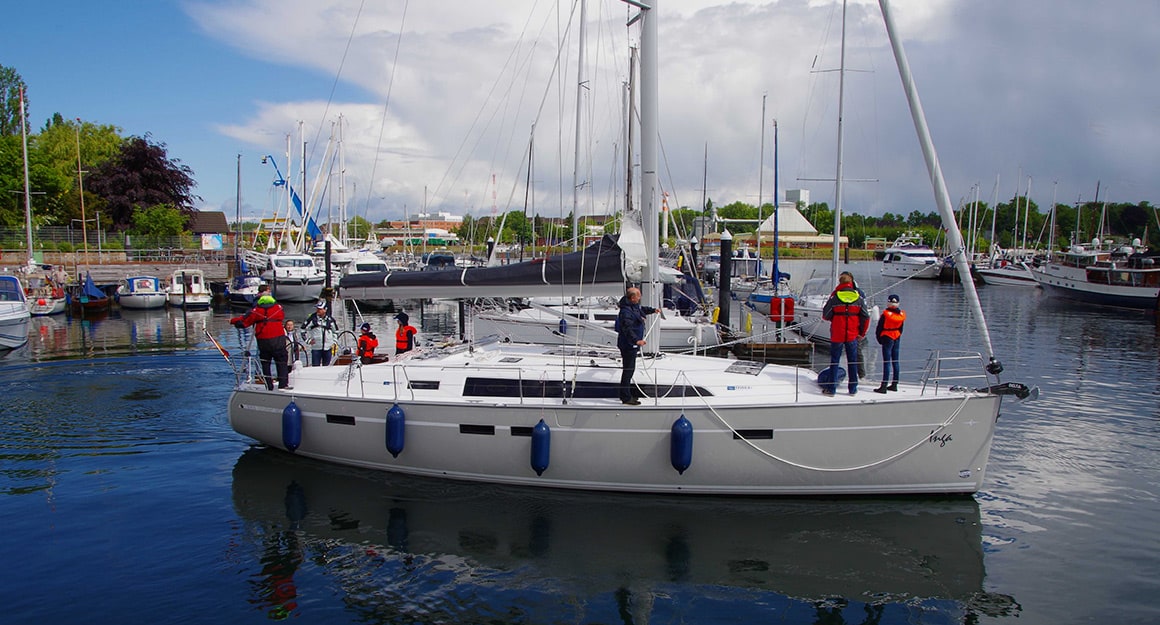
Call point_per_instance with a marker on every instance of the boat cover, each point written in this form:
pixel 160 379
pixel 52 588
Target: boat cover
pixel 595 270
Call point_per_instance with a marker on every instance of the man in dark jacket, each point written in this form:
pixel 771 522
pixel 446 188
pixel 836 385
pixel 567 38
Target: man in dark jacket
pixel 849 320
pixel 267 316
pixel 630 325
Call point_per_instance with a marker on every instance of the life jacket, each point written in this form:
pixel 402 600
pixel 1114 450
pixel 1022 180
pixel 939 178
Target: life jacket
pixel 267 320
pixel 366 345
pixel 847 314
pixel 892 319
pixel 403 338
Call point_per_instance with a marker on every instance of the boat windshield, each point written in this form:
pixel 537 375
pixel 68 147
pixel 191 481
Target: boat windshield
pixel 293 262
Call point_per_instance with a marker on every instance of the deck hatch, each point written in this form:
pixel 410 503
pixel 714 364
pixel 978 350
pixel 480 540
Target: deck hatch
pixel 745 367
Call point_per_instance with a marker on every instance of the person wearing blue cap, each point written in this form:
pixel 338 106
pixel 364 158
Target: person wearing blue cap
pixel 889 333
pixel 367 342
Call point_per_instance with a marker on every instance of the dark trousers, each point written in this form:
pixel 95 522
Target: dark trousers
pixel 850 348
pixel 889 358
pixel 319 357
pixel 628 359
pixel 274 350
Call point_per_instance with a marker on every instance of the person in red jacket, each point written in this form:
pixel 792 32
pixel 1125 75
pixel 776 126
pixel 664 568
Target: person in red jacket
pixel 849 320
pixel 367 343
pixel 267 316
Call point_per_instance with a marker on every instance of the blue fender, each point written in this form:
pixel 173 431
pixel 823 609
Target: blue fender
pixel 291 426
pixel 541 447
pixel 396 422
pixel 681 445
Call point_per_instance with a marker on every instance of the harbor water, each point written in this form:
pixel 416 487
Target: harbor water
pixel 125 497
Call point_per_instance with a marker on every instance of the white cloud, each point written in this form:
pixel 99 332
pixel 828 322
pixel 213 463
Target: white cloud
pixel 1065 91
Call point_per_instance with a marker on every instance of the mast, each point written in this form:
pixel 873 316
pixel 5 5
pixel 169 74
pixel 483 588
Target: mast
pixel 27 184
pixel 776 209
pixel 649 198
pixel 81 190
pixel 238 213
pixel 580 85
pixel 632 64
pixel 1051 231
pixel 838 169
pixel 1026 211
pixel 760 183
pixel 994 214
pixel 941 195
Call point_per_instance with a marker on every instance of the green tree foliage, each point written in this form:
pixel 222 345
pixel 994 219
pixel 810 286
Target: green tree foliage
pixel 358 228
pixel 11 85
pixel 141 174
pixel 47 186
pixel 161 220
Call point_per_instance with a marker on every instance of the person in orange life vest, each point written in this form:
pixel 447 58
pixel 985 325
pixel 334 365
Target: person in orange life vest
pixel 889 333
pixel 405 334
pixel 267 316
pixel 849 321
pixel 367 343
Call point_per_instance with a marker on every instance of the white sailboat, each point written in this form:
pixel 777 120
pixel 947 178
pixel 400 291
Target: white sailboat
pixel 44 292
pixel 548 415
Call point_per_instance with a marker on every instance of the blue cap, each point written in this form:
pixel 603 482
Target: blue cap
pixel 366 327
pixel 892 298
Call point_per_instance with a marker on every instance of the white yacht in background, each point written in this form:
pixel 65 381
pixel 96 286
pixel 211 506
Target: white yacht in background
pixel 293 277
pixel 909 257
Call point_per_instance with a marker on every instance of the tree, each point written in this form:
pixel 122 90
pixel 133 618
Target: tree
pixel 358 228
pixel 141 174
pixel 160 220
pixel 11 86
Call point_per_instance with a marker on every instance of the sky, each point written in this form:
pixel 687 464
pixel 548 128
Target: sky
pixel 440 106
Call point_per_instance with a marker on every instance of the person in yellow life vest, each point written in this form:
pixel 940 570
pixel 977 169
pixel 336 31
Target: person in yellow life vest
pixel 367 342
pixel 405 334
pixel 889 333
pixel 849 321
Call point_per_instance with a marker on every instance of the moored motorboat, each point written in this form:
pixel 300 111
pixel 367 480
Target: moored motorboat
pixel 14 315
pixel 908 257
pixel 1124 278
pixel 293 277
pixel 141 293
pixel 189 290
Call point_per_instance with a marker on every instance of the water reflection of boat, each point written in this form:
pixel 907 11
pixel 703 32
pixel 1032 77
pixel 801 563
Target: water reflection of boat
pixel 357 524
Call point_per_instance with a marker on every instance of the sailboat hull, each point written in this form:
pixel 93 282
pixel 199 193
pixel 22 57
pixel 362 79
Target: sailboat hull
pixel 756 429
